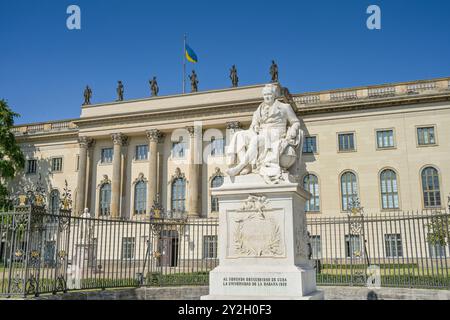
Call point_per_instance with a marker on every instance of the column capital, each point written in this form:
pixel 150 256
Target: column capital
pixel 119 138
pixel 233 125
pixel 154 135
pixel 86 142
pixel 194 131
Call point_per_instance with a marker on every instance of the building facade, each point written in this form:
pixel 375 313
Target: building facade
pixel 387 146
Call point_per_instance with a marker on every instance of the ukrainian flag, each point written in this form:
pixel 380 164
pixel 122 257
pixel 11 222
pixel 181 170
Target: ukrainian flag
pixel 190 54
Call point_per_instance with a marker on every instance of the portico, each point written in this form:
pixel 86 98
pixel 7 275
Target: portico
pixel 129 124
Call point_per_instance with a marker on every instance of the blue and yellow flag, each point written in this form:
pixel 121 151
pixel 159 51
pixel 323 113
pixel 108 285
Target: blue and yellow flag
pixel 190 54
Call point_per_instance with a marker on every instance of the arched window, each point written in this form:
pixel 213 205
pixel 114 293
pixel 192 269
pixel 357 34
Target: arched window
pixel 430 188
pixel 311 184
pixel 349 189
pixel 179 195
pixel 54 201
pixel 105 199
pixel 389 189
pixel 216 182
pixel 140 197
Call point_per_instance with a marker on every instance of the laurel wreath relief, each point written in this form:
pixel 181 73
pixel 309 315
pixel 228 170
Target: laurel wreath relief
pixel 271 248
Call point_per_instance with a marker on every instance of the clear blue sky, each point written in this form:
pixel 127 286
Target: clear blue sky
pixel 318 45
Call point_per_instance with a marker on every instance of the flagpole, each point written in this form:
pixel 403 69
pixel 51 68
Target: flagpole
pixel 184 64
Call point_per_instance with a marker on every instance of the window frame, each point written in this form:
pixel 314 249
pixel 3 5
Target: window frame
pixel 35 166
pixel 397 241
pixel 380 190
pixel 136 200
pixel 313 195
pixel 101 155
pixel 340 188
pixel 350 240
pixel 206 242
pixel 172 150
pixel 135 158
pixel 422 190
pixel 418 145
pixel 183 199
pixel 316 137
pixel 354 141
pixel 133 251
pixel 100 198
pixel 433 248
pixel 394 140
pixel 222 150
pixel 51 197
pixel 52 159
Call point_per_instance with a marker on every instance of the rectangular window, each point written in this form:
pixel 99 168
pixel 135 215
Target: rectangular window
pixel 316 247
pixel 127 248
pixel 209 247
pixel 217 147
pixel 310 145
pixel 353 246
pixel 393 244
pixel 214 204
pixel 346 141
pixel 57 164
pixel 385 139
pixel 107 155
pixel 436 250
pixel 31 166
pixel 426 136
pixel 178 149
pixel 141 152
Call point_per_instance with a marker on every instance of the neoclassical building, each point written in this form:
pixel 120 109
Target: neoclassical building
pixel 386 145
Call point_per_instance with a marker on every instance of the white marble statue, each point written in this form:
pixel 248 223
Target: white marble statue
pixel 269 147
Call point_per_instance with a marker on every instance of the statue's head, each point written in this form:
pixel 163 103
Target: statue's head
pixel 270 93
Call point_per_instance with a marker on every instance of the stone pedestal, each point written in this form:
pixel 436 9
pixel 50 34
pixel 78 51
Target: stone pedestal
pixel 263 250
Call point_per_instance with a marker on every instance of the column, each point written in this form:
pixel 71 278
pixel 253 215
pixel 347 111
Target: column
pixel 119 140
pixel 90 165
pixel 153 135
pixel 85 143
pixel 195 159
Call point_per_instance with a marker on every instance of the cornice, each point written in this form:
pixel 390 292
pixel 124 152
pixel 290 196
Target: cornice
pixel 44 136
pixel 166 115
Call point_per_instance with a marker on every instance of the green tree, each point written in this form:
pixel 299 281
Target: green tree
pixel 11 157
pixel 439 230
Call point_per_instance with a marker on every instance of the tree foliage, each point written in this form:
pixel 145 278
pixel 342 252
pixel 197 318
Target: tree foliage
pixel 11 157
pixel 439 230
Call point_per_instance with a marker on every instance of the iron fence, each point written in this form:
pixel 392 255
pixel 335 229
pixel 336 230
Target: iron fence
pixel 398 249
pixel 43 253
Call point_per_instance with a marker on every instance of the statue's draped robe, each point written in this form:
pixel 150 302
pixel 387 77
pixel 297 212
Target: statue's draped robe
pixel 273 137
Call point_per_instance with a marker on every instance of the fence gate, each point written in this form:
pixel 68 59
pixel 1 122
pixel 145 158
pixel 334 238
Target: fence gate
pixel 33 254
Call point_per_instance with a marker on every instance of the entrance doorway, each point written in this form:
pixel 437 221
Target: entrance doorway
pixel 168 248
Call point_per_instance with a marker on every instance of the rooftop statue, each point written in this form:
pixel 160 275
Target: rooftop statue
pixel 194 81
pixel 270 146
pixel 233 76
pixel 274 72
pixel 120 91
pixel 154 87
pixel 87 96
